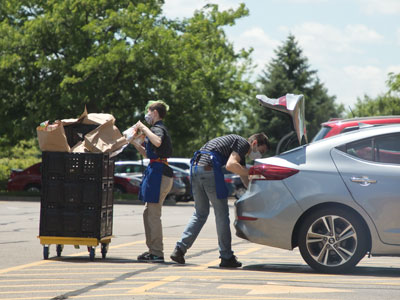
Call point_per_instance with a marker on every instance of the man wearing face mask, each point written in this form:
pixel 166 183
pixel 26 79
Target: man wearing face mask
pixel 158 177
pixel 208 185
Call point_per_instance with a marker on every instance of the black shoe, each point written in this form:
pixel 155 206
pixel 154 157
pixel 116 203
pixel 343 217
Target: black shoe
pixel 178 256
pixel 230 263
pixel 148 257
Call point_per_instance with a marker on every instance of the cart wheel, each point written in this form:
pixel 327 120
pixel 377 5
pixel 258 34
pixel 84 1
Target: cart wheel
pixel 92 252
pixel 59 249
pixel 104 249
pixel 45 252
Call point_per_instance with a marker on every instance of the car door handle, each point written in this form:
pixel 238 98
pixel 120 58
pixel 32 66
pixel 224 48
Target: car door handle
pixel 363 181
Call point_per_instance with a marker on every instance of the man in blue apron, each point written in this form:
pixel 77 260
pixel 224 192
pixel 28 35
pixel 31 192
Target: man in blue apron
pixel 157 180
pixel 208 185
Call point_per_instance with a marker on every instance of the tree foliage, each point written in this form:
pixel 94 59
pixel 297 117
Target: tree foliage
pixel 113 56
pixel 22 155
pixel 383 105
pixel 289 72
pixel 394 83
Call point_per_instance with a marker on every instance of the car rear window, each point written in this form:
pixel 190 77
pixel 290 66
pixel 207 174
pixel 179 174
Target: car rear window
pixel 362 149
pixel 388 149
pixel 321 133
pixel 351 128
pixel 385 149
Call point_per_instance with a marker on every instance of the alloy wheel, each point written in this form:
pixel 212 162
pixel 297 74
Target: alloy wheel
pixel 331 240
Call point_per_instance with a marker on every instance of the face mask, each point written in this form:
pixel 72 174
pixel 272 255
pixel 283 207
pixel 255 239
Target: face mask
pixel 255 154
pixel 148 118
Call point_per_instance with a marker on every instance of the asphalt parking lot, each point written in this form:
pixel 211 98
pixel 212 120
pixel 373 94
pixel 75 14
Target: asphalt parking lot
pixel 267 273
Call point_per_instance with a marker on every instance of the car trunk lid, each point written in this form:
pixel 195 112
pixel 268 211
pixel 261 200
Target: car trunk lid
pixel 292 105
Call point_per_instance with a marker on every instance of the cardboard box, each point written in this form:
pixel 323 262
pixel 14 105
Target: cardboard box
pixel 104 138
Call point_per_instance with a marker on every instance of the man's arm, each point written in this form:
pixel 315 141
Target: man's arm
pixel 233 165
pixel 245 180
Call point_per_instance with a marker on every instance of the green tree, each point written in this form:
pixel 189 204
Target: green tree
pixel 289 72
pixel 113 56
pixel 383 105
pixel 394 83
pixel 208 87
pixel 22 155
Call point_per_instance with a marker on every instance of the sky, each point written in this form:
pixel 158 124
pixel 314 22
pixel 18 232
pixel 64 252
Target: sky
pixel 352 44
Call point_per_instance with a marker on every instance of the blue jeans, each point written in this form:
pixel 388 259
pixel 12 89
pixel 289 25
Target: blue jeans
pixel 204 192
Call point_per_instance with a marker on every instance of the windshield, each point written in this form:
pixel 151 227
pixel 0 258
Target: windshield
pixel 321 133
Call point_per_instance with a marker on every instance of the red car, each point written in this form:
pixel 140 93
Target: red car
pixel 25 180
pixel 30 180
pixel 336 126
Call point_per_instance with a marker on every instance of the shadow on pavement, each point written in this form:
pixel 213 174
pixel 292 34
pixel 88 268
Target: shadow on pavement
pixel 304 269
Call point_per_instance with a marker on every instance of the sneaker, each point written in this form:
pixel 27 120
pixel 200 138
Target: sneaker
pixel 148 257
pixel 178 256
pixel 230 263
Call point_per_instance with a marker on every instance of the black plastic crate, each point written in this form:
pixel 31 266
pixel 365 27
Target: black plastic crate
pixel 109 222
pixel 111 167
pixel 76 223
pixel 76 132
pixel 110 194
pixel 106 222
pixel 76 166
pixel 50 224
pixel 82 194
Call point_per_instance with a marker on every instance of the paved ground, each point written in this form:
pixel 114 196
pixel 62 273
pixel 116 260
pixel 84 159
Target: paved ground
pixel 267 273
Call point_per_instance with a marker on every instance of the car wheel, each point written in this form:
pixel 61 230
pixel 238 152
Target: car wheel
pixel 32 189
pixel 332 240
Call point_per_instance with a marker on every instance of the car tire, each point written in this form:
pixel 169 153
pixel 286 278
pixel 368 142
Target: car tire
pixel 32 188
pixel 333 240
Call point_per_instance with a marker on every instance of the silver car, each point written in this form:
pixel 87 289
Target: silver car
pixel 337 199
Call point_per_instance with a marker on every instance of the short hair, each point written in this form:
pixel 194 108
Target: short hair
pixel 261 138
pixel 160 108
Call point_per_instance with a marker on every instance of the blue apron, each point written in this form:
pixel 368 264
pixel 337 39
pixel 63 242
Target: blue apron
pixel 150 185
pixel 218 161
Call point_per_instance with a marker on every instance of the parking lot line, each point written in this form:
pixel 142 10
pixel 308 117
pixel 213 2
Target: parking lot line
pixel 21 267
pixel 152 285
pixel 279 289
pixel 42 262
pixel 217 261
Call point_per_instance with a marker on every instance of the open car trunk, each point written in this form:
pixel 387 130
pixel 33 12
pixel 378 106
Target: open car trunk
pixel 292 105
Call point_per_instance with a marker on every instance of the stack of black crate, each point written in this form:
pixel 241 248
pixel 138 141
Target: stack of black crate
pixel 77 191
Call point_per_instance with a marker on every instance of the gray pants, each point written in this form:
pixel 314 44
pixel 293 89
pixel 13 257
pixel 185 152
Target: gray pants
pixel 152 219
pixel 204 193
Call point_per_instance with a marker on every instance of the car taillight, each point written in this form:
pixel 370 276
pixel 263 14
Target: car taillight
pixel 228 180
pixel 270 172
